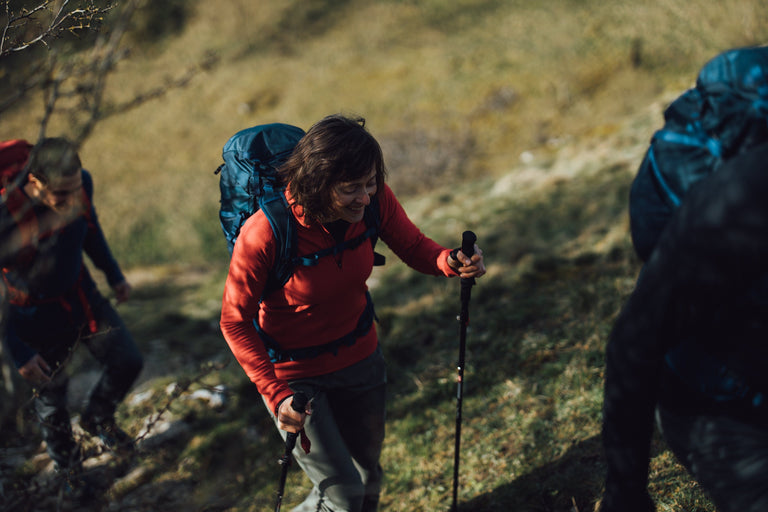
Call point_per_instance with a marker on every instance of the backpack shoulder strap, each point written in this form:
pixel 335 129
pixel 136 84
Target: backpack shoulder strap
pixel 277 211
pixel 371 218
pixel 373 221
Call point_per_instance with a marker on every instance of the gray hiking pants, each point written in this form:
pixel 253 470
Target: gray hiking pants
pixel 346 431
pixel 728 458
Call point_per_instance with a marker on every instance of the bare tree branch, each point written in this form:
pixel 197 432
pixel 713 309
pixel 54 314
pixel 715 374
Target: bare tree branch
pixel 74 83
pixel 65 19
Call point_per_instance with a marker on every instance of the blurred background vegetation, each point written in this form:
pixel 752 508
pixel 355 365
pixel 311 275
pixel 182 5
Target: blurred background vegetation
pixel 523 121
pixel 454 90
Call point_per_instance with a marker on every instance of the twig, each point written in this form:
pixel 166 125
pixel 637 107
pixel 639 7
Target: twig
pixel 179 389
pixel 81 19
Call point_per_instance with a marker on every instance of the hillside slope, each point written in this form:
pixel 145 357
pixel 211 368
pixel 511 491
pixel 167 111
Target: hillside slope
pixel 529 137
pixel 453 90
pixel 560 267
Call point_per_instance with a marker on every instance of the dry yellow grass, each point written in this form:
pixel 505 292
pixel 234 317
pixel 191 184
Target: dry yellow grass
pixel 454 89
pixel 485 80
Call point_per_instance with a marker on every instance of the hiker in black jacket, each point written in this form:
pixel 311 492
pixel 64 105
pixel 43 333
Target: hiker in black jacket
pixel 47 223
pixel 691 345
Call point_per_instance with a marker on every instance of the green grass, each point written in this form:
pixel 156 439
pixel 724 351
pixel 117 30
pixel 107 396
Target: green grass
pixel 455 92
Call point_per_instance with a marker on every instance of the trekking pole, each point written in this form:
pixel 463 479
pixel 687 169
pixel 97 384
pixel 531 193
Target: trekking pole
pixel 299 403
pixel 468 239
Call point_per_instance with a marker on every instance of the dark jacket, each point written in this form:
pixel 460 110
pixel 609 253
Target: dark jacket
pixel 53 276
pixel 699 290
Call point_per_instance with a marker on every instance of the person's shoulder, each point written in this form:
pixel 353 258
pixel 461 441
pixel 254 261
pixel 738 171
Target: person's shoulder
pixel 754 157
pixel 388 203
pixel 256 240
pixel 256 227
pixel 15 200
pixel 386 195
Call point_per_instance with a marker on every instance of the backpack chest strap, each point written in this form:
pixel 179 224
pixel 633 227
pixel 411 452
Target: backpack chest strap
pixel 311 260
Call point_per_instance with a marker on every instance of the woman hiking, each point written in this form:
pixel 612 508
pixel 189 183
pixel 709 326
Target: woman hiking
pixel 315 334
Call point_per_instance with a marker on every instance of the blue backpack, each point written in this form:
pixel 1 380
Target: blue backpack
pixel 725 114
pixel 249 182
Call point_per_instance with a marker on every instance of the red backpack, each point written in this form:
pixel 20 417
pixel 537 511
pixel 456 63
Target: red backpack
pixel 13 157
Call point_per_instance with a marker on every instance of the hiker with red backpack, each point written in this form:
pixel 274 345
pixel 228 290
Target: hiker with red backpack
pixel 689 347
pixel 313 334
pixel 47 224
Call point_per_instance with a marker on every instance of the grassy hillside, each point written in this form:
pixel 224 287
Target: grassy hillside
pixel 452 89
pixel 523 121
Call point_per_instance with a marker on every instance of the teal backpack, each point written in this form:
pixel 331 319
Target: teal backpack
pixel 249 182
pixel 724 115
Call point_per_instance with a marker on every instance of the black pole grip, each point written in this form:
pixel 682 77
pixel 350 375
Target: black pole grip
pixel 468 240
pixel 299 402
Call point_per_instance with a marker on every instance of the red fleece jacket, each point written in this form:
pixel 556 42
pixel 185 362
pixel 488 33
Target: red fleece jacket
pixel 318 304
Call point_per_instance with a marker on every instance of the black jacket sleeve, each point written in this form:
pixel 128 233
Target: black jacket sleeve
pixel 95 244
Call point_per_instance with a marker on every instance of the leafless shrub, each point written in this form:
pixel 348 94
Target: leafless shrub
pixel 41 22
pixel 73 82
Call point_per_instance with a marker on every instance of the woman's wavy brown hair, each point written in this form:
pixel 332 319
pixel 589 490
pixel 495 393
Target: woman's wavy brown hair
pixel 336 149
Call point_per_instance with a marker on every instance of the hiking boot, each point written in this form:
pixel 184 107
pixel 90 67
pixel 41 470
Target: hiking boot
pixel 112 436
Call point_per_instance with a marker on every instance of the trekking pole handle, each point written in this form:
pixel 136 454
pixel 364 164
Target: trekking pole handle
pixel 299 402
pixel 468 239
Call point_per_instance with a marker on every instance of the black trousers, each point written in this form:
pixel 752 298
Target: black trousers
pixel 111 345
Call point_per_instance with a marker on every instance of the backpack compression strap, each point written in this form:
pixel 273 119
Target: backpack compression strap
pixel 277 212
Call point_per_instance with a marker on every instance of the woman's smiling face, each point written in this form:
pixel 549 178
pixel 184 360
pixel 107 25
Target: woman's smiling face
pixel 350 198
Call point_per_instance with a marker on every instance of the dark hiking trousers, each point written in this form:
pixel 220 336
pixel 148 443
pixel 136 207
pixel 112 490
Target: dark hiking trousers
pixel 729 458
pixel 113 347
pixel 346 431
